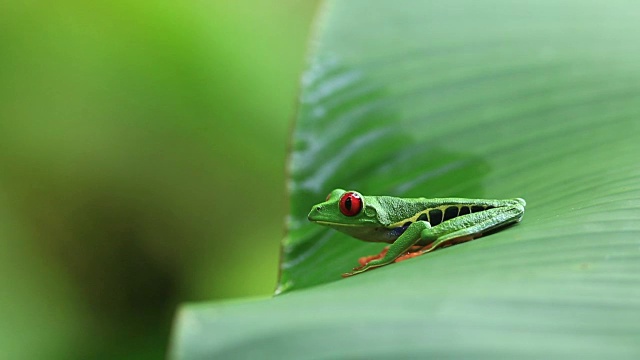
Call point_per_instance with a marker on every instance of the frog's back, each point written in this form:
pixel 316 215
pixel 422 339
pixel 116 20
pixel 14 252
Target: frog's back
pixel 403 212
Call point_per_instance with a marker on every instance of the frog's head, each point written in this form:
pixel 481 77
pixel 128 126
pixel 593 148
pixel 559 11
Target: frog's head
pixel 346 209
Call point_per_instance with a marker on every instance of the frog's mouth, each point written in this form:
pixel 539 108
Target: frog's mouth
pixel 329 223
pixel 317 215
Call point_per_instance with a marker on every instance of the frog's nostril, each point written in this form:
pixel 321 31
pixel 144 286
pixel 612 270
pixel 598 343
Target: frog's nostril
pixel 318 208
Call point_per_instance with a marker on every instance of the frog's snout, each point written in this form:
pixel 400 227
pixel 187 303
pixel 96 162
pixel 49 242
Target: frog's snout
pixel 314 213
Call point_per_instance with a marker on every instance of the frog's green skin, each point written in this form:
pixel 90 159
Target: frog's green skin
pixel 405 223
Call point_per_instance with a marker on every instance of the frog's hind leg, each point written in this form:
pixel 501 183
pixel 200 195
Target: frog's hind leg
pixel 471 226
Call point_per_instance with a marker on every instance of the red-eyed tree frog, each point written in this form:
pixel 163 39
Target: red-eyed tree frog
pixel 412 226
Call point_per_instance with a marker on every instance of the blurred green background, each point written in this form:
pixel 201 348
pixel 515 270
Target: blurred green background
pixel 142 156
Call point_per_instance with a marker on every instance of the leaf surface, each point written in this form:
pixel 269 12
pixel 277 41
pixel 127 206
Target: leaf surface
pixel 492 99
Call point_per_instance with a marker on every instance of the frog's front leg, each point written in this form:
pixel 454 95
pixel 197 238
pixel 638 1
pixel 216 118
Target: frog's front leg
pixel 401 246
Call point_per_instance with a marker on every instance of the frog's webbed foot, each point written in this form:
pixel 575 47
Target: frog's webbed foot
pixel 413 252
pixel 363 261
pixel 366 259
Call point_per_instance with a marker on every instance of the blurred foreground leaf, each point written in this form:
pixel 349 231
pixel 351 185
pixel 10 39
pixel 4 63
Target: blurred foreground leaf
pixel 491 99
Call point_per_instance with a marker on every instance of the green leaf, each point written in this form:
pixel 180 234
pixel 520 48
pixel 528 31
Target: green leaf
pixel 491 99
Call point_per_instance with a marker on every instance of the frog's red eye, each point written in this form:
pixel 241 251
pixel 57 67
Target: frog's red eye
pixel 350 204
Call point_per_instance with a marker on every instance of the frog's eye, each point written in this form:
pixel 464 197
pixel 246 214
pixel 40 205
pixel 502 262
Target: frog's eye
pixel 350 204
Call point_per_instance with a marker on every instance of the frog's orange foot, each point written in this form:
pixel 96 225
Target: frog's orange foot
pixel 363 261
pixel 413 252
pixel 407 256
